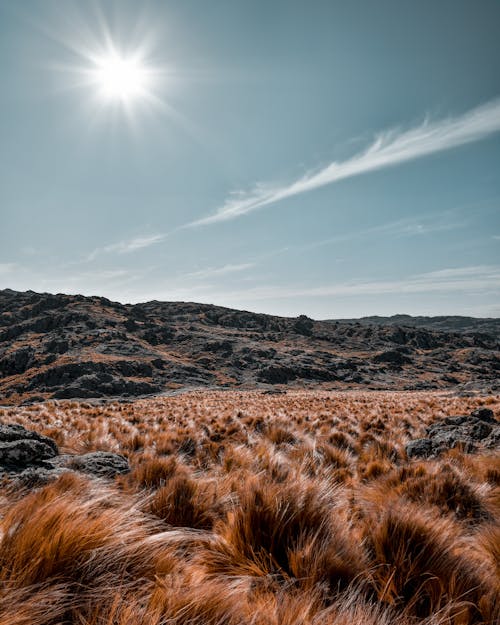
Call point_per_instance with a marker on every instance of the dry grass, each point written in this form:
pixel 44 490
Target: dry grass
pixel 245 508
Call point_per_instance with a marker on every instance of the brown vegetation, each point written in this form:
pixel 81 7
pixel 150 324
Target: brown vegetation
pixel 246 508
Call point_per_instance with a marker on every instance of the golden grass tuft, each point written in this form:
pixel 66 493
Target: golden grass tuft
pixel 243 508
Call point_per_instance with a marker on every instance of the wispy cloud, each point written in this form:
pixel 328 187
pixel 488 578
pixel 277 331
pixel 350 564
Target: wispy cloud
pixel 211 272
pixel 461 279
pixel 128 245
pixel 400 228
pixel 389 149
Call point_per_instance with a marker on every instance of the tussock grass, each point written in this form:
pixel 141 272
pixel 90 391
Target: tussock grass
pixel 244 508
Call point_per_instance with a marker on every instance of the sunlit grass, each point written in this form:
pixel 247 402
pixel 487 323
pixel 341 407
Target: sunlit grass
pixel 243 508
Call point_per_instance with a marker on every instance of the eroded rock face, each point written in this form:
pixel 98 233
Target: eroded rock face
pixel 480 428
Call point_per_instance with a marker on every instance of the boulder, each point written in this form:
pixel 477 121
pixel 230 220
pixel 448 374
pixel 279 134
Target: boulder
pixel 493 440
pixel 392 357
pixel 17 361
pixel 419 448
pixel 36 477
pixel 450 438
pixel 484 414
pixel 480 428
pixel 99 463
pixel 35 459
pixel 10 432
pixel 276 374
pixel 18 454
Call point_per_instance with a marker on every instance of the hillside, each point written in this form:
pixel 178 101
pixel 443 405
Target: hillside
pixel 446 323
pixel 71 346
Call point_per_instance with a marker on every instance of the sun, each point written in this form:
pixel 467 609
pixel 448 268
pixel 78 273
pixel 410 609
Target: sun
pixel 120 78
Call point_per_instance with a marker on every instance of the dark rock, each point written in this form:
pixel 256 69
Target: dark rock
pixel 18 361
pixel 36 477
pixel 18 454
pixel 104 385
pixel 464 428
pixel 158 336
pixel 225 348
pixel 10 432
pixel 392 357
pixel 34 399
pixel 277 374
pixel 420 448
pixel 57 346
pixel 458 420
pixel 158 363
pixel 484 414
pixel 76 392
pixel 450 438
pixel 100 463
pixel 481 430
pixel 450 378
pixel 130 325
pixel 303 325
pixel 398 336
pixel 493 440
pixel 466 431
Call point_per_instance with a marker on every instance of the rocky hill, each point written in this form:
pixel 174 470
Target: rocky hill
pixel 71 346
pixel 448 323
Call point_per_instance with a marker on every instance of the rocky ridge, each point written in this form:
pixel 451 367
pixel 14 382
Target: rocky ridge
pixel 71 346
pixel 446 323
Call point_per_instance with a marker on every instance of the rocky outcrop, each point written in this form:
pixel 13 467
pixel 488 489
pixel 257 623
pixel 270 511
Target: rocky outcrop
pixel 100 463
pixel 392 357
pixel 304 325
pixel 33 459
pixel 480 428
pixel 12 432
pixel 75 347
pixel 17 361
pixel 23 453
pixel 419 448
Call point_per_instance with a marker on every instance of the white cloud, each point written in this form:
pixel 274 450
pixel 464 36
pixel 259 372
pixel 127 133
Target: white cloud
pixel 210 272
pixel 389 149
pixel 128 245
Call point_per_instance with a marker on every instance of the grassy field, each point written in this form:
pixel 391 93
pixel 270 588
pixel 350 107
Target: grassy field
pixel 252 508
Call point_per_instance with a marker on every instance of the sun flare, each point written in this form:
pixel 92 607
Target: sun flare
pixel 121 78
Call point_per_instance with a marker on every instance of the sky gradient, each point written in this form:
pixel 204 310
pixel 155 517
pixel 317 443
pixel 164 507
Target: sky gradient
pixel 335 159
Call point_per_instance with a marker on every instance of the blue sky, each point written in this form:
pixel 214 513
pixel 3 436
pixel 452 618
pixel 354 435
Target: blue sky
pixel 325 157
